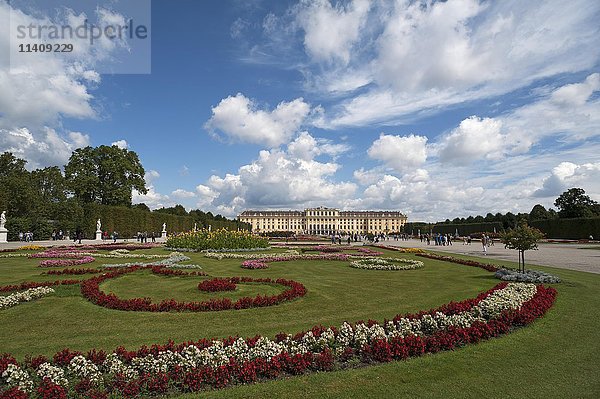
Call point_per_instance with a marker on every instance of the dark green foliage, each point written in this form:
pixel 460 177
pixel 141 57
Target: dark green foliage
pixel 39 201
pixel 522 238
pixel 105 175
pixel 574 229
pixel 467 228
pixel 573 203
pixel 538 212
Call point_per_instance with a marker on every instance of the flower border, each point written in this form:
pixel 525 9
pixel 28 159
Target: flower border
pixel 90 289
pixel 386 264
pixel 205 364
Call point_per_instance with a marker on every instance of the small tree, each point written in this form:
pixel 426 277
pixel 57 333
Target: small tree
pixel 522 238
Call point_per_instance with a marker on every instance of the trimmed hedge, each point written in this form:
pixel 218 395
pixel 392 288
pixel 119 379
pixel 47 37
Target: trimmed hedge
pixel 124 220
pixel 128 221
pixel 574 229
pixel 469 228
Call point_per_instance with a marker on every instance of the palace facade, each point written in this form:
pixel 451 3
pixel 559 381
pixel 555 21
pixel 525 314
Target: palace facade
pixel 325 221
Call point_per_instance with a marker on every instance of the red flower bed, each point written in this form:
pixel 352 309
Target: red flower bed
pixel 216 285
pixel 165 271
pixel 73 271
pixel 451 259
pixel 91 290
pixel 238 372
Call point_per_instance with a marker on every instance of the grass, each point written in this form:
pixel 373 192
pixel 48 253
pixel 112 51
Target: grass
pixel 556 357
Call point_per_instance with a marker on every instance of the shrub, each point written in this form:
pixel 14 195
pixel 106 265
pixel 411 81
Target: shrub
pixel 219 239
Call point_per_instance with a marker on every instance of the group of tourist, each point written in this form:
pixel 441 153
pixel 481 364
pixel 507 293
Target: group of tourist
pixel 142 237
pixel 112 236
pixel 27 237
pixel 58 235
pixel 438 239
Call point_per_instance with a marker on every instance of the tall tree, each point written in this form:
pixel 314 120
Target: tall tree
pixel 522 238
pixel 17 195
pixel 538 212
pixel 106 175
pixel 573 203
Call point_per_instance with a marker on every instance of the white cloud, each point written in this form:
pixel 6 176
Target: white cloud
pixel 41 149
pixel 407 57
pixel 331 31
pixel 307 147
pixel 239 118
pixel 567 113
pixel 279 179
pixel 567 175
pixel 38 92
pixel 402 153
pixel 475 138
pixel 151 175
pixel 182 194
pixel 153 199
pixel 206 195
pixel 122 144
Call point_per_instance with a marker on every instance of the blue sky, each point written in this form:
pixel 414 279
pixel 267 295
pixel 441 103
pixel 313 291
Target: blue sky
pixel 436 109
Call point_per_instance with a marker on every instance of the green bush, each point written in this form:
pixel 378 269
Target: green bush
pixel 219 239
pixel 574 229
pixel 466 229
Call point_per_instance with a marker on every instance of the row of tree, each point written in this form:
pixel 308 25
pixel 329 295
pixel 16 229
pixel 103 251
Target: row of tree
pixel 47 199
pixel 573 203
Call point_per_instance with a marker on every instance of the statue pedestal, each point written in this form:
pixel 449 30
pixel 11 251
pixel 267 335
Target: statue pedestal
pixel 3 235
pixel 163 234
pixel 98 235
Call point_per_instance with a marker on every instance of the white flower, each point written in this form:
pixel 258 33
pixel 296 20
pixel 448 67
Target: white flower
pixel 15 377
pixel 24 296
pixel 53 373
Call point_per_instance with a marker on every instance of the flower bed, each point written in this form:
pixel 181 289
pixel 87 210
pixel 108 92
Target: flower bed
pixel 31 247
pixel 90 289
pixel 386 264
pixel 111 247
pixel 324 249
pixel 24 296
pixel 254 264
pixel 230 255
pixel 219 239
pixel 207 364
pixel 451 259
pixel 171 262
pixel 66 262
pixel 529 276
pixel 217 285
pixel 13 254
pixel 399 249
pixel 261 263
pixel 33 284
pixel 73 271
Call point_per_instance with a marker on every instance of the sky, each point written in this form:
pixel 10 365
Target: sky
pixel 435 109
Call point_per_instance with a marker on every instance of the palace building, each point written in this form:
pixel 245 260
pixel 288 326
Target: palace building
pixel 325 221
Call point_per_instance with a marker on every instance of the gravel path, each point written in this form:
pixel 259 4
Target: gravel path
pixel 581 257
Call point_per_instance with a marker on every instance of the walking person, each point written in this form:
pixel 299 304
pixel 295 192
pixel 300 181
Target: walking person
pixel 484 243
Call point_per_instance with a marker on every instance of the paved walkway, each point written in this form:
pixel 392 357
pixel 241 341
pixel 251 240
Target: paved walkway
pixel 579 257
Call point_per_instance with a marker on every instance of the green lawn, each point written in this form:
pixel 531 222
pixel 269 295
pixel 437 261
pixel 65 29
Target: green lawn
pixel 555 357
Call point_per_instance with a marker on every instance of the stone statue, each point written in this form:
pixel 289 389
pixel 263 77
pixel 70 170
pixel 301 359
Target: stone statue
pixel 195 226
pixel 164 227
pixel 98 225
pixel 2 219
